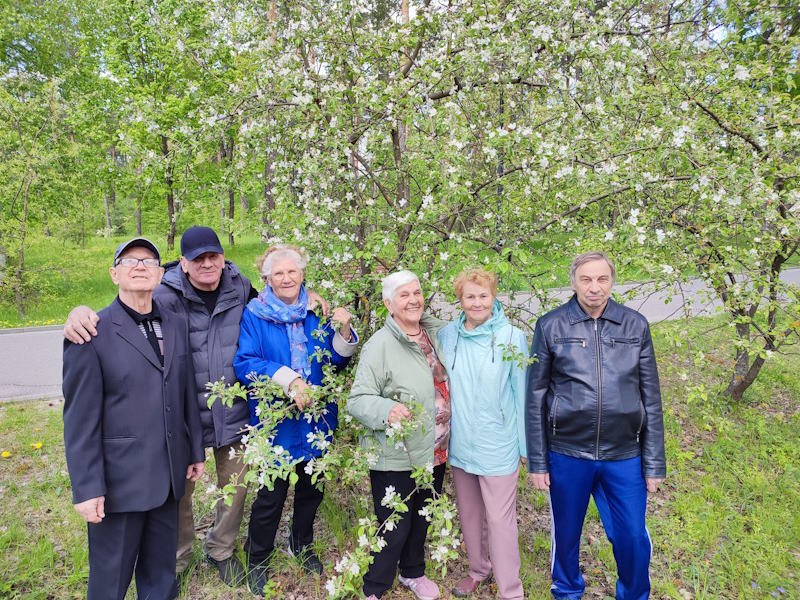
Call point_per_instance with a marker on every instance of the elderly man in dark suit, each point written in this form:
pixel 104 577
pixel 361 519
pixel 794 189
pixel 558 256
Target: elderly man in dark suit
pixel 132 432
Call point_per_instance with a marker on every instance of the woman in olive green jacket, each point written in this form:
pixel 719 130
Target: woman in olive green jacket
pixel 400 367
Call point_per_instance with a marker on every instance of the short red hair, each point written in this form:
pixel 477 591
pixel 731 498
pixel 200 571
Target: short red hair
pixel 479 277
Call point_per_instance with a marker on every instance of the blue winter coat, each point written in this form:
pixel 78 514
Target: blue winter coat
pixel 487 395
pixel 264 350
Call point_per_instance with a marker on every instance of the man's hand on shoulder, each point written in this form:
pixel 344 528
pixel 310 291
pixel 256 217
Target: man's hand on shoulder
pixel 541 481
pixel 92 510
pixel 653 483
pixel 81 325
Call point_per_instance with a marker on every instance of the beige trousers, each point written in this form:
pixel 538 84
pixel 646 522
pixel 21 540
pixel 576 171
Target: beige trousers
pixel 220 540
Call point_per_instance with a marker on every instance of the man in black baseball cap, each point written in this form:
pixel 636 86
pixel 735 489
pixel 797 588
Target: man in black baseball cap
pixel 198 240
pixel 212 293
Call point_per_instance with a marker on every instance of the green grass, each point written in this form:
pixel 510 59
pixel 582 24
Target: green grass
pixel 725 520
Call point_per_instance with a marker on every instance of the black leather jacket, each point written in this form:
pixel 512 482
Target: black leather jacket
pixel 593 391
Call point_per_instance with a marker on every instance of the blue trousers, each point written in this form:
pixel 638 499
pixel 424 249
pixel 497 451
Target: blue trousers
pixel 620 494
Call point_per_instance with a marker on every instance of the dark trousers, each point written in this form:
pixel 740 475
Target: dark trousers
pixel 144 541
pixel 620 493
pixel 405 545
pixel 266 515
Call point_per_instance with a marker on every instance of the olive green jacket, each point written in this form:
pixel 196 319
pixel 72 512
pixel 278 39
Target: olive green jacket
pixel 392 369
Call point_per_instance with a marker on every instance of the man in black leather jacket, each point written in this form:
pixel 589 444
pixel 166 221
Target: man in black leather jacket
pixel 594 425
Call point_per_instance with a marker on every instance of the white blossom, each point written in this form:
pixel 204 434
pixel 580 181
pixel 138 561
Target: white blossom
pixel 330 586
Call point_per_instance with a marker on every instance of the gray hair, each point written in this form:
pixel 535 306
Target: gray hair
pixel 281 254
pixel 391 282
pixel 586 257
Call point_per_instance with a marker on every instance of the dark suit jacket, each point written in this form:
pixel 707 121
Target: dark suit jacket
pixel 131 426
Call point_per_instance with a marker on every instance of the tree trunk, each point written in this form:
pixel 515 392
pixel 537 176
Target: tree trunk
pixel 112 190
pixel 744 372
pixel 498 219
pixel 168 178
pixel 19 292
pixel 139 200
pixel 269 197
pixel 84 216
pixel 231 191
pixel 231 208
pixel 106 198
pixel 268 204
pixel 45 224
pixel 399 137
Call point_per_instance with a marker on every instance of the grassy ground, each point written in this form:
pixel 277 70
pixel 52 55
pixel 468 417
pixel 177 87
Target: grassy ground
pixel 725 525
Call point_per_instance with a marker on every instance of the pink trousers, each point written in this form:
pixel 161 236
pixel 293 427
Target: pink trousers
pixel 487 506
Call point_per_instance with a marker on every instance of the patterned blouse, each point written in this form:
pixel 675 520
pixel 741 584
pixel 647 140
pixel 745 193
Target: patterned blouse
pixel 442 389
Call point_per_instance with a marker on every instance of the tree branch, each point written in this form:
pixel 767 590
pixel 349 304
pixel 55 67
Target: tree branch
pixel 372 176
pixel 742 136
pixel 596 199
pixel 457 85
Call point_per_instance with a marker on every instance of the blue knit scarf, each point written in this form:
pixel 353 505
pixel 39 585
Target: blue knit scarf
pixel 271 308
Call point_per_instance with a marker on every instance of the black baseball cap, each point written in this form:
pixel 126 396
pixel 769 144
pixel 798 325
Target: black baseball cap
pixel 198 240
pixel 139 242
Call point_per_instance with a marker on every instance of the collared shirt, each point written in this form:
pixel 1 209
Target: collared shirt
pixel 150 326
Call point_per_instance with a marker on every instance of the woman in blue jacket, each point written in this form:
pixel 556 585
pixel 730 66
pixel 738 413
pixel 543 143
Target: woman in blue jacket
pixel 281 339
pixel 487 431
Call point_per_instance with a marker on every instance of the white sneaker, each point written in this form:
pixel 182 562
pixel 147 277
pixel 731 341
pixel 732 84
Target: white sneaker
pixel 423 588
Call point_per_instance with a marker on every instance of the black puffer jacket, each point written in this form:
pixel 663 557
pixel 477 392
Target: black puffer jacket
pixel 593 391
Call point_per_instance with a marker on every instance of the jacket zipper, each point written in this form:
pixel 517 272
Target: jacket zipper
pixel 599 391
pixel 555 415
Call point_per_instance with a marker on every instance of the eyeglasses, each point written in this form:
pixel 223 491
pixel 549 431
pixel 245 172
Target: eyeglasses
pixel 134 262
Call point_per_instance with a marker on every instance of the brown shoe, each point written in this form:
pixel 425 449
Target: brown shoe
pixel 468 585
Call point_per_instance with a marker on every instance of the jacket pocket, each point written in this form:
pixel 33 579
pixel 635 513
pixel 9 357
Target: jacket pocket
pixel 571 340
pixel 642 416
pixel 627 341
pixel 554 419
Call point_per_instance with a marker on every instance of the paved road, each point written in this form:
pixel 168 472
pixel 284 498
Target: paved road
pixel 30 363
pixel 30 359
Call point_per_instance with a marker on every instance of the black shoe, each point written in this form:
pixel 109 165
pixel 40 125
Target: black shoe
pixel 257 579
pixel 307 559
pixel 231 570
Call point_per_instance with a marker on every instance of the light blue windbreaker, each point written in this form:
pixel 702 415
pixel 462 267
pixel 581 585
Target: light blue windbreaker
pixel 487 394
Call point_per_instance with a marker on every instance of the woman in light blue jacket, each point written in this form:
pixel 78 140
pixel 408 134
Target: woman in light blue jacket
pixel 487 434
